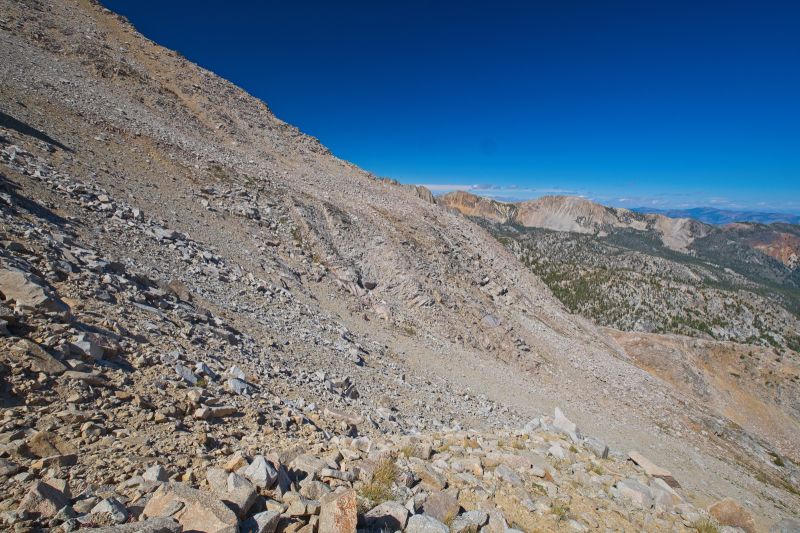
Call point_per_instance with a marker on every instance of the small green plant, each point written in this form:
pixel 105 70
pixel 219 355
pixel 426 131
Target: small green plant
pixel 407 451
pixel 379 490
pixel 776 459
pixel 560 511
pixel 705 525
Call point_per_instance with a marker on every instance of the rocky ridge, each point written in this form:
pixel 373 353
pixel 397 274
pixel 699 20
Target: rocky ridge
pixel 575 214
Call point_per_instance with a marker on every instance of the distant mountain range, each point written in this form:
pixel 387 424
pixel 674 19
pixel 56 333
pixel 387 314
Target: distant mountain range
pixel 648 272
pixel 711 215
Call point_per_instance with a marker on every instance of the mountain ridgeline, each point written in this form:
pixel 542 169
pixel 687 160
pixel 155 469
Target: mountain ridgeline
pixel 652 273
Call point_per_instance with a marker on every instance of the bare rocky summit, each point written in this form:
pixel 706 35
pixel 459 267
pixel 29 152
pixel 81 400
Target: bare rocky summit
pixel 210 323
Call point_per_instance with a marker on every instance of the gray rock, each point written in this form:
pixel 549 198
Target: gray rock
pixel 87 347
pixel 261 473
pixel 156 473
pixel 469 522
pixel 185 374
pixel 237 386
pixel 236 372
pixel 635 492
pixel 112 507
pixel 597 447
pixel 504 473
pixel 203 369
pixel 421 523
pixel 442 506
pixel 201 511
pixel 30 292
pixel 391 516
pixel 564 424
pixel 265 522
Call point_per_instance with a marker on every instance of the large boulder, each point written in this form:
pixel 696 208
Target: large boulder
pixel 338 512
pixel 30 293
pixel 442 506
pixel 33 355
pixel 43 500
pixel 195 510
pixel 635 492
pixel 265 522
pixel 421 523
pixel 260 473
pixel 234 490
pixel 388 516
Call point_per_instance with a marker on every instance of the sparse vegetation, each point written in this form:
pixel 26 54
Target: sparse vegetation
pixel 379 489
pixel 629 281
pixel 705 525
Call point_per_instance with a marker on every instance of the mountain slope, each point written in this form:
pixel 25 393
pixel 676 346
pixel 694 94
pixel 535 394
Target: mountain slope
pixel 194 236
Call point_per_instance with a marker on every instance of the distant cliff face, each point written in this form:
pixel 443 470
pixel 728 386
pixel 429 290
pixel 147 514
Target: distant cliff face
pixel 779 241
pixel 570 213
pixel 477 206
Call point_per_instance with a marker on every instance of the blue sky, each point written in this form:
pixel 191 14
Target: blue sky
pixel 663 103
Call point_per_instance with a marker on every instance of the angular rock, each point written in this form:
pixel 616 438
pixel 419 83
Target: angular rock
pixel 635 492
pixel 240 494
pixel 265 522
pixel 113 508
pixel 504 473
pixel 338 512
pixel 30 292
pixel 428 477
pixel 469 522
pixel 728 512
pixel 597 447
pixel 564 424
pixel 201 511
pixel 88 347
pixel 237 386
pixel 30 353
pixel 442 506
pixel 391 516
pixel 185 374
pixel 156 473
pixel 653 470
pixel 43 500
pixel 261 473
pixel 421 523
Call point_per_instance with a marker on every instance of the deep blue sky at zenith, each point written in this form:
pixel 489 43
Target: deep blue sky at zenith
pixel 664 103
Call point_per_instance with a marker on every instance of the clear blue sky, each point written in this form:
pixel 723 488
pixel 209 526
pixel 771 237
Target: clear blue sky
pixel 662 103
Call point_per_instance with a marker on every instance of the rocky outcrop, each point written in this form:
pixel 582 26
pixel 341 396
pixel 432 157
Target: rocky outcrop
pixel 570 213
